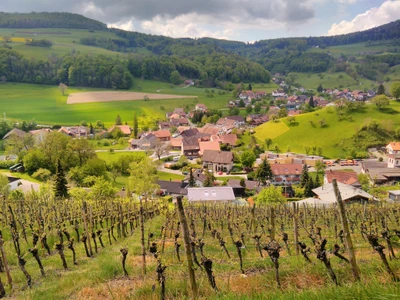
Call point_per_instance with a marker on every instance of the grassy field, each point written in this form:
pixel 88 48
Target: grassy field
pixel 355 49
pixel 302 134
pixel 47 105
pixel 62 43
pixel 109 157
pixel 338 80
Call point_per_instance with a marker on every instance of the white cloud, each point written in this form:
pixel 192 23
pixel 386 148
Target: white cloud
pixel 128 25
pixel 389 11
pixel 187 25
pixel 91 9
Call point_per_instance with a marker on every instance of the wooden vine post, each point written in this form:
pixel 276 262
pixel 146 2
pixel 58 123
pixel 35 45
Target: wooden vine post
pixel 186 239
pixel 296 230
pixel 272 235
pixel 6 268
pixel 346 232
pixel 142 238
pixel 84 217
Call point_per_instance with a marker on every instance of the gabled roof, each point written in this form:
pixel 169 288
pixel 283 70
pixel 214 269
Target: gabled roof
pixel 343 177
pixel 209 129
pixel 250 184
pixel 176 142
pixel 229 139
pixel 239 119
pixel 286 169
pixel 173 187
pixel 209 145
pixel 347 192
pixel 219 157
pixel 17 132
pixel 161 134
pixel 394 145
pixel 220 193
pixel 124 128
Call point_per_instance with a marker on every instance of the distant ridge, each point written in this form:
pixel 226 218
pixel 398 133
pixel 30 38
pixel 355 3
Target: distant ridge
pixel 49 20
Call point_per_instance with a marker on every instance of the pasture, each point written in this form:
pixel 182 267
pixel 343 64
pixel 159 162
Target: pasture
pixel 64 41
pixel 338 80
pixel 47 105
pixel 332 138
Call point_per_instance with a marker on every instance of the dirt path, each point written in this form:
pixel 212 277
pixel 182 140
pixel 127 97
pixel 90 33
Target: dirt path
pixel 92 97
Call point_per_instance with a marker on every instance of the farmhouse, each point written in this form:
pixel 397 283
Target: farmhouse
pixel 326 196
pixel 218 161
pixel 200 107
pixel 125 129
pixel 173 188
pixel 220 194
pixel 393 148
pixel 279 93
pixel 15 132
pixel 162 135
pixel 286 173
pixel 346 177
pixel 379 172
pixel 76 131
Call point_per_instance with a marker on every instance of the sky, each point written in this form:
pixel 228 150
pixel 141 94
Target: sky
pixel 240 20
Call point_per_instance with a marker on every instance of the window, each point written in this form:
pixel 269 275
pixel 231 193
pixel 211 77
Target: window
pixel 206 193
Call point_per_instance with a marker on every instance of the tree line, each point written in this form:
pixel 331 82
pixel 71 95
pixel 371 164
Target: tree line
pixel 49 20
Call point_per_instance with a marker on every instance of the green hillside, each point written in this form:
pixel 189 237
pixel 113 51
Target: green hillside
pixel 64 41
pixel 334 139
pixel 46 104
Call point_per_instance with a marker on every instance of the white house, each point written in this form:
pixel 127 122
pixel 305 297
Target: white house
pixel 393 148
pixel 217 194
pixel 393 161
pixel 279 93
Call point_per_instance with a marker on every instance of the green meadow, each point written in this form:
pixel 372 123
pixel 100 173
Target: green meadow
pixel 338 80
pixel 356 49
pixel 302 134
pixel 47 105
pixel 64 41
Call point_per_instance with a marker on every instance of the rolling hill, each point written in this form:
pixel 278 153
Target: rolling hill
pixel 335 138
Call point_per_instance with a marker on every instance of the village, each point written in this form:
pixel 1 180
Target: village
pixel 208 149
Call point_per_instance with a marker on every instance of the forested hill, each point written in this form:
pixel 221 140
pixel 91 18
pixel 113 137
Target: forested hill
pixel 49 20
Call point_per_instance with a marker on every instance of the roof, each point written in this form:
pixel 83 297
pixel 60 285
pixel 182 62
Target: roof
pixel 220 193
pixel 124 128
pixel 230 139
pixel 395 192
pixel 236 118
pixel 326 193
pixel 163 133
pixel 201 105
pixel 347 177
pixel 173 187
pixel 286 169
pixel 209 129
pixel 250 184
pixel 176 142
pixel 219 157
pixel 209 145
pixel 226 122
pixel 395 146
pixel 16 132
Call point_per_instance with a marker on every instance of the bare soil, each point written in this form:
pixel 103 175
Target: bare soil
pixel 92 97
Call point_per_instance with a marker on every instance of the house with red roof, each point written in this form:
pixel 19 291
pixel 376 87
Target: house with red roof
pixel 346 177
pixel 286 173
pixel 393 148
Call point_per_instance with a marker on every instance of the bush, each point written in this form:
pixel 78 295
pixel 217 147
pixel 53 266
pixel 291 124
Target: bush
pixel 6 164
pixel 42 174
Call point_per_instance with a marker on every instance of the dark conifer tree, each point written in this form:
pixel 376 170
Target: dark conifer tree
pixel 60 185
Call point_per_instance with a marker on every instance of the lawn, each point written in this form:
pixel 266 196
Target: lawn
pixel 109 157
pixel 169 176
pixel 47 105
pixel 338 80
pixel 331 137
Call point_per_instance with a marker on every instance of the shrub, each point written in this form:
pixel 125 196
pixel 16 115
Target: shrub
pixel 6 164
pixel 42 174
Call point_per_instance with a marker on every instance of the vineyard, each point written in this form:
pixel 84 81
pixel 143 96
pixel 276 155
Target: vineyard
pixel 156 250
